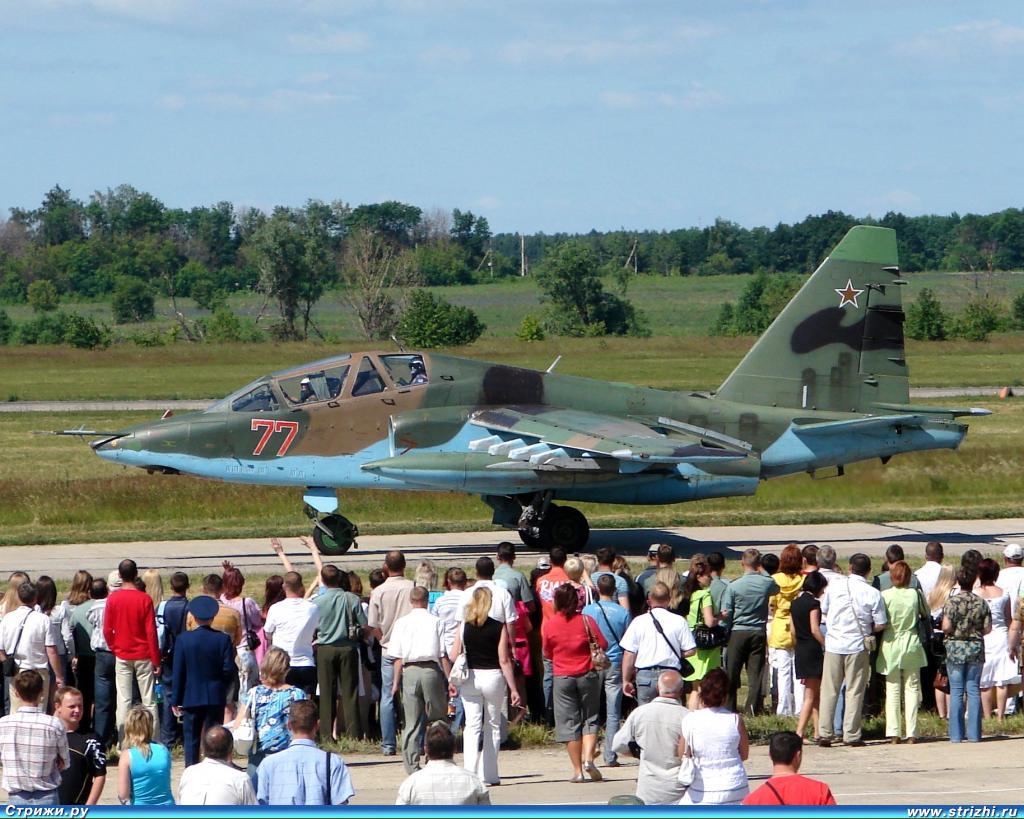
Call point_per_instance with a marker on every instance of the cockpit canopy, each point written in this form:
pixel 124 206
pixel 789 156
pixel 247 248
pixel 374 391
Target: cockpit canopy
pixel 327 381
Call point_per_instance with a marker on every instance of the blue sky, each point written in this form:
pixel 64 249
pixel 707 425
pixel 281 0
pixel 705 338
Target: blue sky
pixel 554 116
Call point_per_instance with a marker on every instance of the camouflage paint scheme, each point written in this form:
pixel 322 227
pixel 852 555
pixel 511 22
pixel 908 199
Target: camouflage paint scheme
pixel 826 385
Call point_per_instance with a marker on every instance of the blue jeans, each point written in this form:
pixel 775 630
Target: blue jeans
pixel 612 681
pixel 106 698
pixel 837 722
pixel 549 684
pixel 34 797
pixel 388 716
pixel 964 676
pixel 170 727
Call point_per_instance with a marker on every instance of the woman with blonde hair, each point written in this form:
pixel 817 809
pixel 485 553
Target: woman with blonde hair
pixel 670 577
pixel 267 704
pixel 576 572
pixel 154 587
pixel 426 576
pixel 144 772
pixel 936 600
pixel 81 584
pixel 11 601
pixel 490 676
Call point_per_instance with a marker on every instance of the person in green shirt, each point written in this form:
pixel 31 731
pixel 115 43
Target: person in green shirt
pixel 901 655
pixel 340 628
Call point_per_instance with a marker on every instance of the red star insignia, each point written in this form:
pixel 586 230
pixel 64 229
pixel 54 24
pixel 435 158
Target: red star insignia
pixel 848 294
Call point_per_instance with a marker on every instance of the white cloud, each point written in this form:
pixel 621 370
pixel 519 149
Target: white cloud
pixel 487 203
pixel 329 41
pixel 975 38
pixel 694 98
pixel 314 78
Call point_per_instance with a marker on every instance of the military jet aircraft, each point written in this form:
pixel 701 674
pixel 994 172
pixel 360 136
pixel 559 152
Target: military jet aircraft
pixel 826 385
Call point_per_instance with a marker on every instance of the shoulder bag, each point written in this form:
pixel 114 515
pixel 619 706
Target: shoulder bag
pixel 870 641
pixel 684 665
pixel 252 639
pixel 598 658
pixel 327 779
pixel 607 622
pixel 708 637
pixel 460 668
pixel 10 662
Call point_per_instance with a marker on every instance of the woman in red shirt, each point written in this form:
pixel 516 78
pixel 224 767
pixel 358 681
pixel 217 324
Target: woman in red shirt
pixel 577 685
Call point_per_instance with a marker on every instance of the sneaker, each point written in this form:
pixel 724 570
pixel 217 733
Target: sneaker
pixel 388 751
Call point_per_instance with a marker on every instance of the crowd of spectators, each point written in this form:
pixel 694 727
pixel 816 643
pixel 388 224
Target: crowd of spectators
pixel 658 662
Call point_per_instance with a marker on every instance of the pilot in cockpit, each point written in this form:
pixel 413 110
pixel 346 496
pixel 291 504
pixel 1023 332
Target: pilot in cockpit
pixel 306 391
pixel 417 372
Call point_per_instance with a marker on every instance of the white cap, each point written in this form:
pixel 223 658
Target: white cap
pixel 305 380
pixel 1013 551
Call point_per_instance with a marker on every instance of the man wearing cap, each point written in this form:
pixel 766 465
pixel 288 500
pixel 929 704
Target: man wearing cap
pixel 652 567
pixel 204 661
pixel 1011 578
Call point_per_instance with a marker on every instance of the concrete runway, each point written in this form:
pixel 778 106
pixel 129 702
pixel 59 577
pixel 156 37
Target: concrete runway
pixel 255 555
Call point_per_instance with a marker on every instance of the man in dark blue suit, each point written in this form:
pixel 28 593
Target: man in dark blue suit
pixel 204 661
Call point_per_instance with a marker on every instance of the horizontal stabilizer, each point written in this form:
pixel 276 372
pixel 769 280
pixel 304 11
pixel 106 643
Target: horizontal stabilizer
pixel 953 412
pixel 877 424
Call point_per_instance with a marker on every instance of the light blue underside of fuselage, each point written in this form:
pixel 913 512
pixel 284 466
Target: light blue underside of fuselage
pixel 788 454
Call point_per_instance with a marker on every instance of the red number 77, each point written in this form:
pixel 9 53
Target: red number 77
pixel 269 427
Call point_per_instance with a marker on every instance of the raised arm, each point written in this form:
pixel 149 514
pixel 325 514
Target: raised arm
pixel 275 544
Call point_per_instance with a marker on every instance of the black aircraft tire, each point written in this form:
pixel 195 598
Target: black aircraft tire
pixel 566 527
pixel 343 534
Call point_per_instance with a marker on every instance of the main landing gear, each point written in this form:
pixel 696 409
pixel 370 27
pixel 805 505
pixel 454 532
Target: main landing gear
pixel 541 523
pixel 334 534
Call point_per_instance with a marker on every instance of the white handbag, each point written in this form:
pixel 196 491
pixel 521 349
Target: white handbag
pixel 244 736
pixel 687 767
pixel 460 668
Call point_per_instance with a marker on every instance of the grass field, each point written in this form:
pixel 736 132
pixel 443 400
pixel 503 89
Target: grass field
pixel 677 306
pixel 209 371
pixel 54 490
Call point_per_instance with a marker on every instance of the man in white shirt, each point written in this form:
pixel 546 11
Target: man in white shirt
pixel 653 732
pixel 26 636
pixel 441 781
pixel 215 781
pixel 827 564
pixel 291 623
pixel 449 604
pixel 503 607
pixel 855 611
pixel 1011 578
pixel 421 668
pixel 928 574
pixel 654 642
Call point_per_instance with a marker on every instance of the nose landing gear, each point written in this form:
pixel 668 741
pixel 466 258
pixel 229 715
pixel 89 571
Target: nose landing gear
pixel 334 534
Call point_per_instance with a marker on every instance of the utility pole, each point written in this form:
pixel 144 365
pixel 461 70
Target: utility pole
pixel 522 255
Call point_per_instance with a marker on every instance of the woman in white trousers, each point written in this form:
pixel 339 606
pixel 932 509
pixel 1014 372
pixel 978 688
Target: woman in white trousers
pixel 491 676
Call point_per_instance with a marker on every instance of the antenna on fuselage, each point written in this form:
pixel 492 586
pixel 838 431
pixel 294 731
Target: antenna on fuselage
pixel 398 343
pixel 553 365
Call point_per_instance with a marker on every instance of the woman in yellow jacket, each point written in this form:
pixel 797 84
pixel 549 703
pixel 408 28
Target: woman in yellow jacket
pixel 781 646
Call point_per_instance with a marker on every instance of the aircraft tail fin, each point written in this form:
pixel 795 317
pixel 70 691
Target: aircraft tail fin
pixel 838 345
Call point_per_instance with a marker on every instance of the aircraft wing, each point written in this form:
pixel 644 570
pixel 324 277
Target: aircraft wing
pixel 551 437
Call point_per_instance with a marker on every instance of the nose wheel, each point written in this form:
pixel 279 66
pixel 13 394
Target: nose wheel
pixel 334 535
